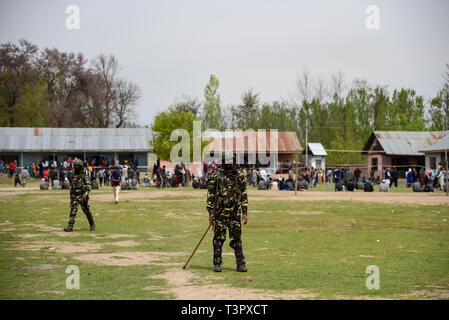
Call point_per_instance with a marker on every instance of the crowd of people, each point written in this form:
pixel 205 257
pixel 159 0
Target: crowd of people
pixel 57 173
pixel 102 173
pixel 426 180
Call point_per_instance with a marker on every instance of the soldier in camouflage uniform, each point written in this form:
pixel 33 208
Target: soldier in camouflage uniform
pixel 79 195
pixel 227 204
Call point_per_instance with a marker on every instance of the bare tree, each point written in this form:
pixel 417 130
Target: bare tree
pixel 127 96
pixel 321 91
pixel 62 72
pixel 186 104
pixel 108 69
pixel 338 85
pixel 304 87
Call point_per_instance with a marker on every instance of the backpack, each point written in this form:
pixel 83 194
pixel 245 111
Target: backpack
pixel 417 187
pixel 303 185
pixel 124 185
pixel 339 186
pixel 368 187
pixel 429 188
pixel 134 184
pixel 350 186
pixel 43 185
pixel 66 184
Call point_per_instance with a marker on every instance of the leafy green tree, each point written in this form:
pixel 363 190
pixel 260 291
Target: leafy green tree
pixel 439 106
pixel 163 126
pixel 212 109
pixel 406 111
pixel 16 70
pixel 276 115
pixel 32 107
pixel 439 110
pixel 245 115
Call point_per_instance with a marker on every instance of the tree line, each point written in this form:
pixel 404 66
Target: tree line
pixel 50 88
pixel 339 114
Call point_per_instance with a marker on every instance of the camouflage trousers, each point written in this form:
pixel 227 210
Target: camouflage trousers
pixel 234 225
pixel 84 203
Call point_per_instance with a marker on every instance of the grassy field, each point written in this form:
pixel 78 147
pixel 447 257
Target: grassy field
pixel 295 249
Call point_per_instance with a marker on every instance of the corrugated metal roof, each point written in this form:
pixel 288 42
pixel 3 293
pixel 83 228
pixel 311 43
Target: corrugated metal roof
pixel 75 139
pixel 253 141
pixel 317 149
pixel 406 142
pixel 439 146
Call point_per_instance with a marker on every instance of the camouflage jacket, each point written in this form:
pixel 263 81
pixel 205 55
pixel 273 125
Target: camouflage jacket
pixel 227 192
pixel 80 185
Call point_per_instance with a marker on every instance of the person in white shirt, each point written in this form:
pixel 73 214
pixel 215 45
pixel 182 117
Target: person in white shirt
pixel 330 174
pixel 263 174
pixel 25 174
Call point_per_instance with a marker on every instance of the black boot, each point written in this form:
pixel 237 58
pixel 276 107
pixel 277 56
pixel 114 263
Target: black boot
pixel 92 227
pixel 241 268
pixel 218 245
pixel 239 257
pixel 69 228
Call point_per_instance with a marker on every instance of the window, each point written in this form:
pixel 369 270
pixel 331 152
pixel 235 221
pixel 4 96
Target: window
pixel 433 163
pixel 374 162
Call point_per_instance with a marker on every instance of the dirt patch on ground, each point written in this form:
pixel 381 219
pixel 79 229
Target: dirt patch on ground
pixel 154 236
pixel 125 243
pixel 129 258
pixel 41 227
pixel 28 235
pixel 41 267
pixel 72 234
pixel 426 294
pixel 59 247
pixel 256 195
pixel 147 194
pixel 338 297
pixel 11 193
pixel 117 236
pixel 382 197
pixel 182 288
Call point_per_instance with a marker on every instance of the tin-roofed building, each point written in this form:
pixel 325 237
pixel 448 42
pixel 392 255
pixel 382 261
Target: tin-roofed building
pixel 250 143
pixel 400 149
pixel 316 155
pixel 28 145
pixel 436 153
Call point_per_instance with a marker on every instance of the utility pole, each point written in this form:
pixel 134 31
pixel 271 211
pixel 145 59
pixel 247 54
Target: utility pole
pixel 307 145
pixel 296 173
pixel 447 174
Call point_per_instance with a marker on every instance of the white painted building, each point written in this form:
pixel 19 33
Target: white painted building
pixel 316 156
pixel 436 153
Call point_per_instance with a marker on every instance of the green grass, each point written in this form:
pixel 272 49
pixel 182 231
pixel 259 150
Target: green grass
pixel 322 253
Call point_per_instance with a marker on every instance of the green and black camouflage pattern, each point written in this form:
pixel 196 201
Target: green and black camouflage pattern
pixel 80 186
pixel 227 194
pixel 227 200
